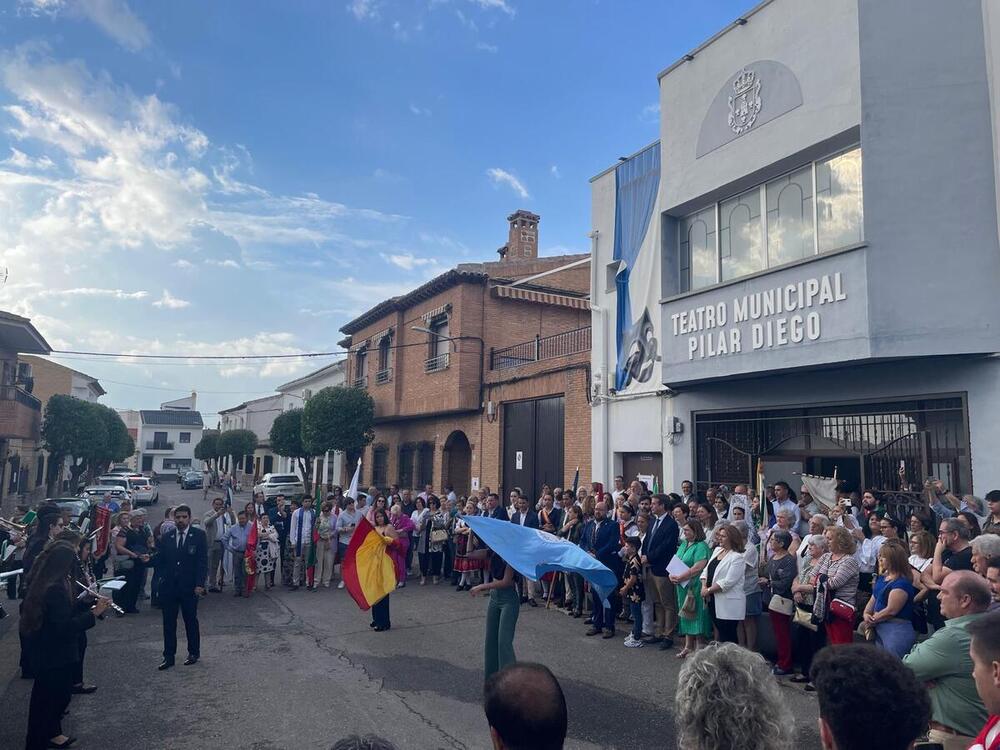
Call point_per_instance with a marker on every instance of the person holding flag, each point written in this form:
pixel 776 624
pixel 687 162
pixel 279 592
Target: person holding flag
pixel 501 614
pixel 368 570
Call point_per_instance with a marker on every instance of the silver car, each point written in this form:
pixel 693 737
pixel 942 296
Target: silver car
pixel 273 485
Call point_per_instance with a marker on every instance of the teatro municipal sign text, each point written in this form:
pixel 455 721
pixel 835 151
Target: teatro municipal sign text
pixel 781 316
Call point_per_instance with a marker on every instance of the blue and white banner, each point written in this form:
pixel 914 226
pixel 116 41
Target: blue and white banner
pixel 533 553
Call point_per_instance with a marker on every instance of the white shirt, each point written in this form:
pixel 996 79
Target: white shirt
pixel 293 527
pixel 521 518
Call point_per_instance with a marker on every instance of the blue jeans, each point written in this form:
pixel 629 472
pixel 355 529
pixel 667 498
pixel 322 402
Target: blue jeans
pixel 895 636
pixel 636 608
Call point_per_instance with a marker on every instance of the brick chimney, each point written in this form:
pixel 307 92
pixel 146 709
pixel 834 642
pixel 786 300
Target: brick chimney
pixel 522 241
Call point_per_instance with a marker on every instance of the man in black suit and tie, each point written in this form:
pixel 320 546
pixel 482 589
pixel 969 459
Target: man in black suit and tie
pixel 659 546
pixel 182 563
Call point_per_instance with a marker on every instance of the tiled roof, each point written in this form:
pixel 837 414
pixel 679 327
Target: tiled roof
pixel 178 417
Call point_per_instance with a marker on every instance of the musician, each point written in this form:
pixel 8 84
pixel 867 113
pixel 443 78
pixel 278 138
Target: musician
pixel 51 619
pixel 48 523
pixel 183 564
pixel 83 574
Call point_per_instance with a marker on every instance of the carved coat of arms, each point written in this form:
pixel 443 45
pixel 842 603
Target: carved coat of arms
pixel 744 102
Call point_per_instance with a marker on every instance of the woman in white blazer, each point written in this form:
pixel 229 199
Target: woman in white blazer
pixel 722 582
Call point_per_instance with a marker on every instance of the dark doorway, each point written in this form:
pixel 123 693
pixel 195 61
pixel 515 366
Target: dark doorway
pixel 268 464
pixel 643 465
pixel 147 463
pixel 458 462
pixel 533 444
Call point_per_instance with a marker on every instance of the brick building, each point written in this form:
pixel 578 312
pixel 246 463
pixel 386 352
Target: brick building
pixel 480 377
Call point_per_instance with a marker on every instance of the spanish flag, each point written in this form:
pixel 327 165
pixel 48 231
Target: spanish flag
pixel 368 571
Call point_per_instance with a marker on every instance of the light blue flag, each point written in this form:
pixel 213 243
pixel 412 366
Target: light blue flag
pixel 533 553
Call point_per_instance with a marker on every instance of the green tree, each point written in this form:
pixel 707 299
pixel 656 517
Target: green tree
pixel 207 449
pixel 237 444
pixel 338 419
pixel 286 439
pixel 91 435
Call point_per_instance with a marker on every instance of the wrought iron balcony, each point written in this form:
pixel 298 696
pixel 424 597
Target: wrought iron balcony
pixel 542 347
pixel 440 362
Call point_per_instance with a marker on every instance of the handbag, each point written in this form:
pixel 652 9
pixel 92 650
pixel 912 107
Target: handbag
pixel 803 617
pixel 689 610
pixel 781 605
pixel 842 610
pixel 439 536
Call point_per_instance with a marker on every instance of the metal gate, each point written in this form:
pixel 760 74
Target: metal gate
pixel 533 444
pixel 925 438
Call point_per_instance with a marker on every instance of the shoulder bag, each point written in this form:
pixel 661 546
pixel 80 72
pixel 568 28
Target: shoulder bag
pixel 781 605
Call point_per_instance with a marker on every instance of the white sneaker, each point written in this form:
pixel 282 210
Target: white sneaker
pixel 340 585
pixel 631 642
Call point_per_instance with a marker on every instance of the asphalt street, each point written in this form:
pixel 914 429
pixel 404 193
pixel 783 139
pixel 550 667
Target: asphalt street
pixel 301 669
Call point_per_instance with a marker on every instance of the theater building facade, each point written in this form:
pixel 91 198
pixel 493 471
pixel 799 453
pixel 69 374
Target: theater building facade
pixel 825 226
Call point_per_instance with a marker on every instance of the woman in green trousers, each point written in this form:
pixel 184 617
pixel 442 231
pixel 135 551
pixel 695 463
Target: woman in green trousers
pixel 501 614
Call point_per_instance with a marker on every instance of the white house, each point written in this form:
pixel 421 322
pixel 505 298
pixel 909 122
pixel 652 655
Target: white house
pixel 257 416
pixel 167 436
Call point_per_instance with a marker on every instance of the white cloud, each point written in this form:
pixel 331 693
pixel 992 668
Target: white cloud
pixel 486 47
pixel 503 177
pixel 169 302
pixel 181 263
pixel 114 17
pixel 20 160
pixel 554 171
pixel 407 261
pixel 420 111
pixel 650 113
pixel 90 292
pixel 363 10
pixel 495 5
pixel 227 263
pixel 135 175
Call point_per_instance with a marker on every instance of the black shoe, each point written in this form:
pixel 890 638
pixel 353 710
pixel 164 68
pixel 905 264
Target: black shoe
pixel 577 615
pixel 609 633
pixel 69 741
pixel 380 629
pixel 810 688
pixel 84 689
pixel 524 600
pixel 190 660
pixel 372 625
pixel 166 664
pixel 666 644
pixel 532 603
pixel 294 588
pixel 593 631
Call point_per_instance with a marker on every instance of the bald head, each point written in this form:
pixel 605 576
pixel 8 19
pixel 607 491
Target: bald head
pixel 963 593
pixel 525 708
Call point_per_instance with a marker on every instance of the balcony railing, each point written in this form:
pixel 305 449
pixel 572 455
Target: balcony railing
pixel 383 376
pixel 361 382
pixel 20 413
pixel 542 347
pixel 440 362
pixel 159 445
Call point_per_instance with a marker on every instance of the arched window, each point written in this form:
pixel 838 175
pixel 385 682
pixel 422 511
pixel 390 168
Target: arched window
pixel 384 373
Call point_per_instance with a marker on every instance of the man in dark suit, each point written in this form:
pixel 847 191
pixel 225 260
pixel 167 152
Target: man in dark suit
pixel 604 545
pixel 496 509
pixel 182 561
pixel 659 546
pixel 524 516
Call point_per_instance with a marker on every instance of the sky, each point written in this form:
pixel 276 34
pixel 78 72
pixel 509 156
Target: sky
pixel 244 177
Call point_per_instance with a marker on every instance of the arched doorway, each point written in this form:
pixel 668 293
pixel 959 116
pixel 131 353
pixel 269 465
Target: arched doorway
pixel 458 462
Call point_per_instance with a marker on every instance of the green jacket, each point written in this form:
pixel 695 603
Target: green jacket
pixel 944 663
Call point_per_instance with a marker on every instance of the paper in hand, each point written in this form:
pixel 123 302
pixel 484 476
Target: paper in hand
pixel 677 567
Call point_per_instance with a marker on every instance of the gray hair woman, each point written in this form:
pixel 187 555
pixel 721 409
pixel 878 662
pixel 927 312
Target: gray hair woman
pixel 805 640
pixel 727 700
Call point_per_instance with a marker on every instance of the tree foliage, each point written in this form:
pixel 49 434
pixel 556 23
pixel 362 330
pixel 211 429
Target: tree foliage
pixel 91 435
pixel 207 448
pixel 237 443
pixel 286 435
pixel 338 419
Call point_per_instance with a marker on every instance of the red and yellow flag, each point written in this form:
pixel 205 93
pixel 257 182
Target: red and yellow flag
pixel 368 571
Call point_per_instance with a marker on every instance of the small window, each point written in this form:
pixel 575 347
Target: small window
pixel 405 476
pixel 361 368
pixel 380 466
pixel 185 437
pixel 697 246
pixel 439 344
pixel 838 201
pixel 306 394
pixel 384 374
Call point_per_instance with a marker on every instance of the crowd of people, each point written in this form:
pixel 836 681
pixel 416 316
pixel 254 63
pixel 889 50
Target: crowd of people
pixel 694 569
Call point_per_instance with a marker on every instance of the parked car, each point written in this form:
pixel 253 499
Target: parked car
pixel 192 480
pixel 119 470
pixel 273 485
pixel 98 491
pixel 74 508
pixel 144 492
pixel 115 480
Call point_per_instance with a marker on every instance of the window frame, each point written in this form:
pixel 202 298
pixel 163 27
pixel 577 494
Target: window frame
pixel 184 437
pixel 684 278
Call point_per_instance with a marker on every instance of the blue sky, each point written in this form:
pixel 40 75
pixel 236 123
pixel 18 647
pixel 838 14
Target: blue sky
pixel 244 176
